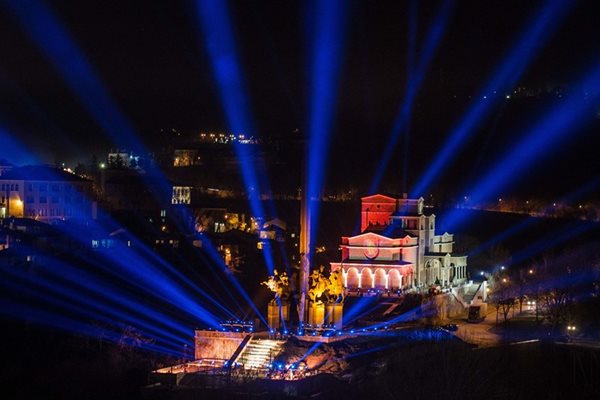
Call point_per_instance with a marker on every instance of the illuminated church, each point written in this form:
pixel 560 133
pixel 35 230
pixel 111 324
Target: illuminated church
pixel 398 248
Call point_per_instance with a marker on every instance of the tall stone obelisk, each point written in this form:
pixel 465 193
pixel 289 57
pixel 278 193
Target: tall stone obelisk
pixel 304 252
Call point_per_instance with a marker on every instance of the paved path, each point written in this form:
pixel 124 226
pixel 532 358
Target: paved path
pixel 478 333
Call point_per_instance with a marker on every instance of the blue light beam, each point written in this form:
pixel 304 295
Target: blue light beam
pixel 416 77
pixel 502 81
pixel 558 125
pixel 219 41
pixel 327 22
pixel 46 30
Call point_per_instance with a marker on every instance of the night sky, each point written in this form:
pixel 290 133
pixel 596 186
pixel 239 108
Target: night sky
pixel 150 58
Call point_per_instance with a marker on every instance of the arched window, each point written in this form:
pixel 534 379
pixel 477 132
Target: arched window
pixel 352 278
pixel 380 279
pixel 366 279
pixel 394 281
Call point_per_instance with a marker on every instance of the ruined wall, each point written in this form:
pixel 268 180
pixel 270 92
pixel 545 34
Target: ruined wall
pixel 215 344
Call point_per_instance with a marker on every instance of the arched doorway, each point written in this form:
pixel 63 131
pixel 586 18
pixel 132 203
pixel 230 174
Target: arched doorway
pixel 394 281
pixel 380 279
pixel 352 278
pixel 366 280
pixel 428 273
pixel 432 272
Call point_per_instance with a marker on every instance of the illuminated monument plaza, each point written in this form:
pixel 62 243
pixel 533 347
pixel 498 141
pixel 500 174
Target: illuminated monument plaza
pixel 316 199
pixel 397 254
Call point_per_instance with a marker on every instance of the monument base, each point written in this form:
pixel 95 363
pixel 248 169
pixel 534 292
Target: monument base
pixel 335 314
pixel 316 314
pixel 276 315
pixel 319 314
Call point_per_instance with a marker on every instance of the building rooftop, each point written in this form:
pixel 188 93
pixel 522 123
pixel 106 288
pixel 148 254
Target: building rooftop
pixel 391 231
pixel 376 262
pixel 443 254
pixel 41 173
pixel 389 195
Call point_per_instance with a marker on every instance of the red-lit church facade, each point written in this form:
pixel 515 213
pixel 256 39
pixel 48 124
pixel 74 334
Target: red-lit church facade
pixel 398 248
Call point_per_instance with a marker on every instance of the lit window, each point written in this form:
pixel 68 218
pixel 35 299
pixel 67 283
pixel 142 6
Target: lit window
pixel 181 195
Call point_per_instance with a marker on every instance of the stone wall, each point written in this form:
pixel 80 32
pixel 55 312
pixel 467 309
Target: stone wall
pixel 216 345
pixel 438 309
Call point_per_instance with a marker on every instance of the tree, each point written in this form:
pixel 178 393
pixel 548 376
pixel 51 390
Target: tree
pixel 80 169
pixel 503 295
pixel 118 162
pixel 557 306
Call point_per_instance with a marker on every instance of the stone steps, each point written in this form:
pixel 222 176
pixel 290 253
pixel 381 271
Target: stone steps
pixel 258 353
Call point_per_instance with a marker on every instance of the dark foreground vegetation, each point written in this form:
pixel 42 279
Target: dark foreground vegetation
pixel 43 364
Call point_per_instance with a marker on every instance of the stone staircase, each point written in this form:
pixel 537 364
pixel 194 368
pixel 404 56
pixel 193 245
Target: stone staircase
pixel 258 353
pixel 470 294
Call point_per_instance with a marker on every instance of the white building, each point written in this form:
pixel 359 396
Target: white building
pixel 398 248
pixel 45 194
